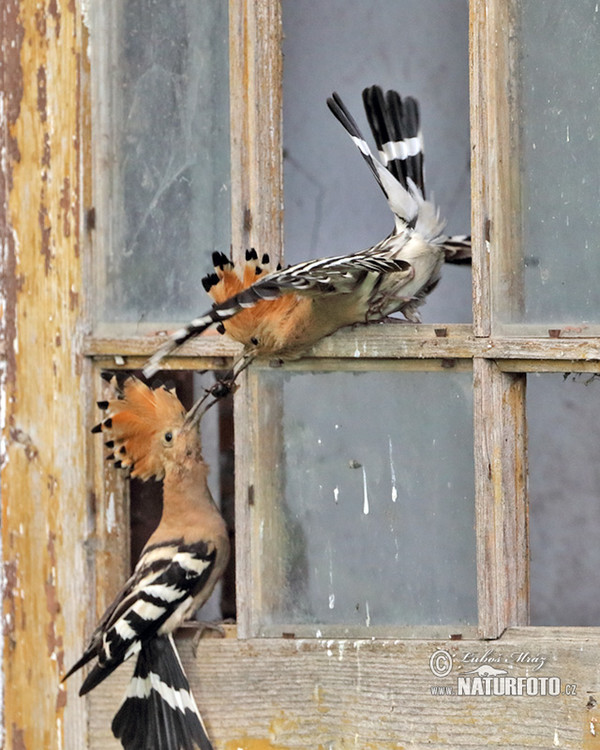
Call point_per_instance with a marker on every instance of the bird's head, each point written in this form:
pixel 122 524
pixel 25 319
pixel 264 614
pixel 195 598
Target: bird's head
pixel 142 424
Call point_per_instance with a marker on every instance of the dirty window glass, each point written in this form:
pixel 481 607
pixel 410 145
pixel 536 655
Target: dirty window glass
pixel 564 485
pixel 332 203
pixel 162 175
pixel 559 159
pixel 376 523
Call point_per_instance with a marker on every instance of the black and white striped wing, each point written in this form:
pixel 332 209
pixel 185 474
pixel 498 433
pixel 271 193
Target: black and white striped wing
pixel 336 275
pixel 159 710
pixel 163 586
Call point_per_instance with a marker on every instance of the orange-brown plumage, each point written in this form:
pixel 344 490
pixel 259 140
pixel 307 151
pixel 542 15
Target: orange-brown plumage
pixel 176 573
pixel 138 424
pixel 269 322
pixel 283 313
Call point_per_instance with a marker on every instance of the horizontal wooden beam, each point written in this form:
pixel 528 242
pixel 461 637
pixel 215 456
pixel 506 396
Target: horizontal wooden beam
pixel 375 341
pixel 293 694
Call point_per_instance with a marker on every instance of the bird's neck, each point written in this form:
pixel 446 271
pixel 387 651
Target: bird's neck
pixel 186 493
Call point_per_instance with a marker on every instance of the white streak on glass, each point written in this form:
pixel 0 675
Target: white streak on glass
pixel 331 593
pixel 393 472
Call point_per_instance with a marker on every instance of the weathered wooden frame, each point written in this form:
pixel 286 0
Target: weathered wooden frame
pixel 64 519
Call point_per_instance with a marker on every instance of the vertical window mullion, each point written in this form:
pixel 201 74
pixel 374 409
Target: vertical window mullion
pixel 500 445
pixel 257 221
pixel 501 498
pixel 479 89
pixel 497 252
pixel 256 152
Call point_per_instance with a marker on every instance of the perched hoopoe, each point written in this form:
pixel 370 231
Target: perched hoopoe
pixel 176 573
pixel 282 313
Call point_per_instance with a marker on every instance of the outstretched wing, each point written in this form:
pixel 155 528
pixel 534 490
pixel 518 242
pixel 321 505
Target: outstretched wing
pixel 337 275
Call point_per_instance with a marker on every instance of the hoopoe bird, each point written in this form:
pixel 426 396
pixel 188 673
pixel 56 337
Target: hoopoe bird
pixel 281 313
pixel 151 435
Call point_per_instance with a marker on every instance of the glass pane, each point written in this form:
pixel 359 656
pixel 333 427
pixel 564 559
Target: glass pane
pixel 162 177
pixel 332 203
pixel 559 111
pixel 376 527
pixel 564 487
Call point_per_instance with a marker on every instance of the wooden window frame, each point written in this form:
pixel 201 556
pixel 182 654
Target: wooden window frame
pixel 63 523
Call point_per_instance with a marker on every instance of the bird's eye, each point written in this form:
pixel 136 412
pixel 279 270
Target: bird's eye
pixel 254 341
pixel 168 437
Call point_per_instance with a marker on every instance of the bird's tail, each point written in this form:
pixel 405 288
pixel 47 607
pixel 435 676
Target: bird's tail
pixel 395 124
pixel 159 711
pixel 401 199
pixel 136 423
pixel 458 249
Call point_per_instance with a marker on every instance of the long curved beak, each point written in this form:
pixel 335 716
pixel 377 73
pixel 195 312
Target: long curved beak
pixel 218 391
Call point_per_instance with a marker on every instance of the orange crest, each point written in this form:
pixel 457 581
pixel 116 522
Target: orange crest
pixel 136 425
pixel 265 321
pixel 226 283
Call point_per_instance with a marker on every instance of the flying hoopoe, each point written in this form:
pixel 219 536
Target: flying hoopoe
pixel 282 313
pixel 152 435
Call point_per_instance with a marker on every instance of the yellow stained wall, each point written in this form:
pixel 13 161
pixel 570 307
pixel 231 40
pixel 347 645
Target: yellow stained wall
pixel 44 497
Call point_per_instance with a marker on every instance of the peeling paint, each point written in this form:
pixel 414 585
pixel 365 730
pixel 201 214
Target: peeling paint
pixel 39 187
pixel 46 231
pixel 20 437
pixel 283 723
pixel 42 93
pixel 18 738
pixel 55 14
pixel 12 96
pixel 46 154
pixel 253 743
pixel 65 204
pixel 111 514
pixel 3 460
pixel 3 423
pixel 54 642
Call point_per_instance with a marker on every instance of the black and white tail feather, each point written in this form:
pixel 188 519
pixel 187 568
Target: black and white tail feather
pixel 159 711
pixel 395 125
pixel 160 704
pixel 396 128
